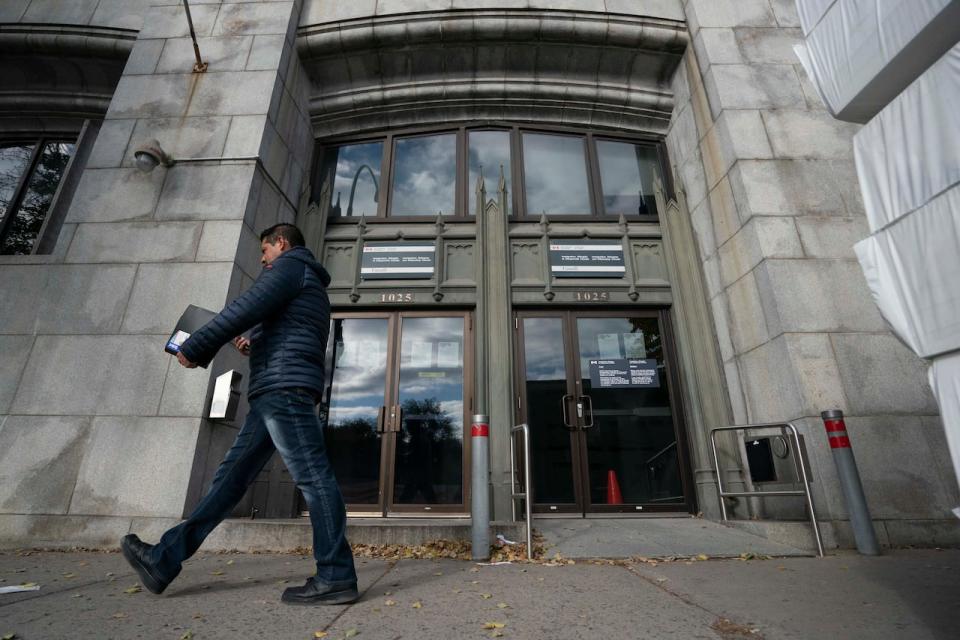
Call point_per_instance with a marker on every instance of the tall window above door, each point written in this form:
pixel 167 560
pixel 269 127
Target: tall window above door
pixel 420 174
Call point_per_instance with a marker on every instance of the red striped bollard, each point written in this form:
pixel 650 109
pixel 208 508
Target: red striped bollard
pixel 863 532
pixel 480 500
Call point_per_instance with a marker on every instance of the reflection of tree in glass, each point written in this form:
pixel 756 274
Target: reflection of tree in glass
pixel 28 219
pixel 423 445
pixel 13 162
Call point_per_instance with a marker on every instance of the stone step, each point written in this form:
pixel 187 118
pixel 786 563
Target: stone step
pixel 287 535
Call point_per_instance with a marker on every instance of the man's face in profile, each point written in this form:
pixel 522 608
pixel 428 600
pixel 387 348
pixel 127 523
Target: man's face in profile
pixel 270 252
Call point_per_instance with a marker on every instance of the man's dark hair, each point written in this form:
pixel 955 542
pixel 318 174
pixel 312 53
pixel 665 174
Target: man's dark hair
pixel 283 230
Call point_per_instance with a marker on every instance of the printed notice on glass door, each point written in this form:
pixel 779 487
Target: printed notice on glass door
pixel 624 373
pixel 608 345
pixel 633 345
pixel 421 356
pixel 448 355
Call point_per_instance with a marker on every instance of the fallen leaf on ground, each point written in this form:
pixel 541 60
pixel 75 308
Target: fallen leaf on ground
pixel 703 556
pixel 319 634
pixel 494 625
pixel 486 596
pixel 438 573
pixel 352 632
pixel 134 589
pixel 390 603
pixel 230 562
pixel 216 573
pixel 502 605
pixel 496 634
pixel 10 636
pixel 69 575
pixel 119 616
pixel 417 605
pixel 187 636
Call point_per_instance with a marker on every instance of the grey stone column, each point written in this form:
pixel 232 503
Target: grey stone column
pixel 137 248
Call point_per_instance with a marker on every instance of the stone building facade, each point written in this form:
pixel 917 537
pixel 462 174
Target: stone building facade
pixel 683 132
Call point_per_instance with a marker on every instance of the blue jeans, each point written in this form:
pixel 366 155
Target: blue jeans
pixel 285 421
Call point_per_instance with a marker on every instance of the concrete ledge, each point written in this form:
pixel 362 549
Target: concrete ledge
pixel 96 532
pixel 838 534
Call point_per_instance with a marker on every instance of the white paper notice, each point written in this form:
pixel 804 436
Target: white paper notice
pixel 422 355
pixel 368 354
pixel 448 355
pixel 634 346
pixel 608 344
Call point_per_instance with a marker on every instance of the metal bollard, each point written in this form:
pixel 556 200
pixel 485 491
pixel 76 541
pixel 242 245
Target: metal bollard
pixel 863 532
pixel 480 507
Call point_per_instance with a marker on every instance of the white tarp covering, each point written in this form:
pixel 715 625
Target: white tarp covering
pixel 913 271
pixel 945 382
pixel 811 11
pixel 860 54
pixel 910 151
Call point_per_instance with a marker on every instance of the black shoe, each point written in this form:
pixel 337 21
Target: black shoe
pixel 316 592
pixel 136 552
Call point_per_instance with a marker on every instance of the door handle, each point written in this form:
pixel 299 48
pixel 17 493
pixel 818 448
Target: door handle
pixel 566 418
pixel 381 414
pixel 396 417
pixel 587 425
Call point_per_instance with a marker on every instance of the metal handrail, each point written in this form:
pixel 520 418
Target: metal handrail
pixel 798 462
pixel 527 494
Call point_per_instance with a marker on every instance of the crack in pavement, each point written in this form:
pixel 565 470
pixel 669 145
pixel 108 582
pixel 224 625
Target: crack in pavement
pixel 662 586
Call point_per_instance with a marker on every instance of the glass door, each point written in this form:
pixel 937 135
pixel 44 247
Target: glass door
pixel 394 411
pixel 597 394
pixel 354 408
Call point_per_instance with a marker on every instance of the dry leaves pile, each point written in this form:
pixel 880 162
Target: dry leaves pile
pixel 454 549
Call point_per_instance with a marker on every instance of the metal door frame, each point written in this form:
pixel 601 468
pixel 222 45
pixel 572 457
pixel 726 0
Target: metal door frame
pixel 385 506
pixel 579 452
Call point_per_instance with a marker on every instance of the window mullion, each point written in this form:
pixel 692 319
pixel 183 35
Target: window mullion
pixel 593 173
pixel 386 177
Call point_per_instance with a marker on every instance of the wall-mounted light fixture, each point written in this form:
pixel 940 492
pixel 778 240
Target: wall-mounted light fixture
pixel 150 154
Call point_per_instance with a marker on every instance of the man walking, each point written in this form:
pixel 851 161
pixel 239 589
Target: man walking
pixel 289 312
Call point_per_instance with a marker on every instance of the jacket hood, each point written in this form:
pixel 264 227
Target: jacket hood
pixel 305 256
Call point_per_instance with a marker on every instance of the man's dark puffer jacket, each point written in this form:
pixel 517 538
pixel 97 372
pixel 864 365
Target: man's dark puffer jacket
pixel 289 311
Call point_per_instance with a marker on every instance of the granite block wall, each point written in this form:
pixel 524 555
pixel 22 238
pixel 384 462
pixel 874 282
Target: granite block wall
pixel 776 208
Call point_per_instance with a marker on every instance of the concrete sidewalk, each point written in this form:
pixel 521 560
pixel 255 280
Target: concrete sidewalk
pixel 903 594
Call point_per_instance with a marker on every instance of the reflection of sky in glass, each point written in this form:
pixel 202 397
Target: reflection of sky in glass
pixel 28 219
pixel 13 162
pixel 431 363
pixel 490 150
pixel 425 172
pixel 555 172
pixel 350 160
pixel 543 349
pixel 626 171
pixel 359 376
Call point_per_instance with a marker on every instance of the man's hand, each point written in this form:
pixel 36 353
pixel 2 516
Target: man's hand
pixel 182 359
pixel 242 344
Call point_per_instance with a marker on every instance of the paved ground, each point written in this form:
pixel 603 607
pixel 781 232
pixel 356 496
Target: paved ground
pixel 653 537
pixel 903 594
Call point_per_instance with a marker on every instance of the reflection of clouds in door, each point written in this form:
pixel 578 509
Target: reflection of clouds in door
pixel 425 174
pixel 555 174
pixel 454 410
pixel 543 349
pixel 346 414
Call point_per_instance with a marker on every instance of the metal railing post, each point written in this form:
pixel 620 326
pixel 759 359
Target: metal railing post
pixel 527 494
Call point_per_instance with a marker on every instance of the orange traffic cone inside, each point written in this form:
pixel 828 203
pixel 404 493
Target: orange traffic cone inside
pixel 613 488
